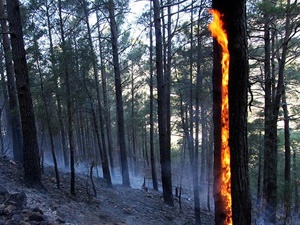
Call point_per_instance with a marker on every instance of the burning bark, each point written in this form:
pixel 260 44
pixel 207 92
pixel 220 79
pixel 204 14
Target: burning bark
pixel 222 187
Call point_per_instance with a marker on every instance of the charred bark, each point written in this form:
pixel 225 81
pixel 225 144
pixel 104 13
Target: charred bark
pixel 287 160
pixel 69 101
pixel 106 112
pixel 152 155
pixel 119 99
pixel 57 95
pixel 165 151
pixel 31 157
pixel 14 112
pixel 103 150
pixel 234 17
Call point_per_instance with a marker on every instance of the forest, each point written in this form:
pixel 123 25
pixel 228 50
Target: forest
pixel 130 91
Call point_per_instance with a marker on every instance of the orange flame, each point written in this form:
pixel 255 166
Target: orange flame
pixel 218 32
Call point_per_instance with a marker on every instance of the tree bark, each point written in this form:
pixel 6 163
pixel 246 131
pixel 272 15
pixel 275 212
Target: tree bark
pixel 31 157
pixel 152 155
pixel 107 121
pixel 193 146
pixel 133 126
pixel 48 116
pixel 57 95
pixel 14 115
pixel 4 110
pixel 273 95
pixel 165 151
pixel 69 101
pixel 119 100
pixel 104 157
pixel 234 18
pixel 296 183
pixel 287 160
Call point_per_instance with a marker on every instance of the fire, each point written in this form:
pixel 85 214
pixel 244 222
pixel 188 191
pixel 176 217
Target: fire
pixel 218 32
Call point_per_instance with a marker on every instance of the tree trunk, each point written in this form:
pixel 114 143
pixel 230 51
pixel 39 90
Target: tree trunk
pixel 106 110
pixel 200 102
pixel 272 104
pixel 119 100
pixel 31 158
pixel 270 151
pixel 133 126
pixel 287 161
pixel 57 95
pixel 14 115
pixel 69 101
pixel 209 160
pixel 4 110
pixel 234 17
pixel 296 183
pixel 104 158
pixel 48 116
pixel 165 151
pixel 152 155
pixel 259 175
pixel 193 146
pixel 220 211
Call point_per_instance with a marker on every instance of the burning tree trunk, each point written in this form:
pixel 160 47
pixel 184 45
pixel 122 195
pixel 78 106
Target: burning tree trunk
pixel 238 86
pixel 222 187
pixel 232 199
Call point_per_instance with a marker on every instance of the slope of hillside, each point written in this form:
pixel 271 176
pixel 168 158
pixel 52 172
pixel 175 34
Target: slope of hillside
pixel 112 206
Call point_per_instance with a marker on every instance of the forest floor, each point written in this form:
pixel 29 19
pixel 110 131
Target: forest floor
pixel 113 206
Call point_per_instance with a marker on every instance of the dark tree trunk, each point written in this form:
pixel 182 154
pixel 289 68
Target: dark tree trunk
pixel 273 95
pixel 69 101
pixel 194 144
pixel 48 116
pixel 4 110
pixel 152 155
pixel 220 211
pixel 296 184
pixel 204 146
pixel 200 102
pixel 133 127
pixel 104 157
pixel 59 109
pixel 259 175
pixel 119 100
pixel 106 112
pixel 165 151
pixel 146 154
pixel 31 157
pixel 287 161
pixel 270 138
pixel 105 167
pixel 209 160
pixel 234 17
pixel 14 115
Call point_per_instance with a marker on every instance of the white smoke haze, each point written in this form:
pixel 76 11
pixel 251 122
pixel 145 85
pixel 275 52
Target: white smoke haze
pixel 137 179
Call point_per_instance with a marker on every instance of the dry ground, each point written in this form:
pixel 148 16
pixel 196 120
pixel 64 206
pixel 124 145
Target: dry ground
pixel 113 206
